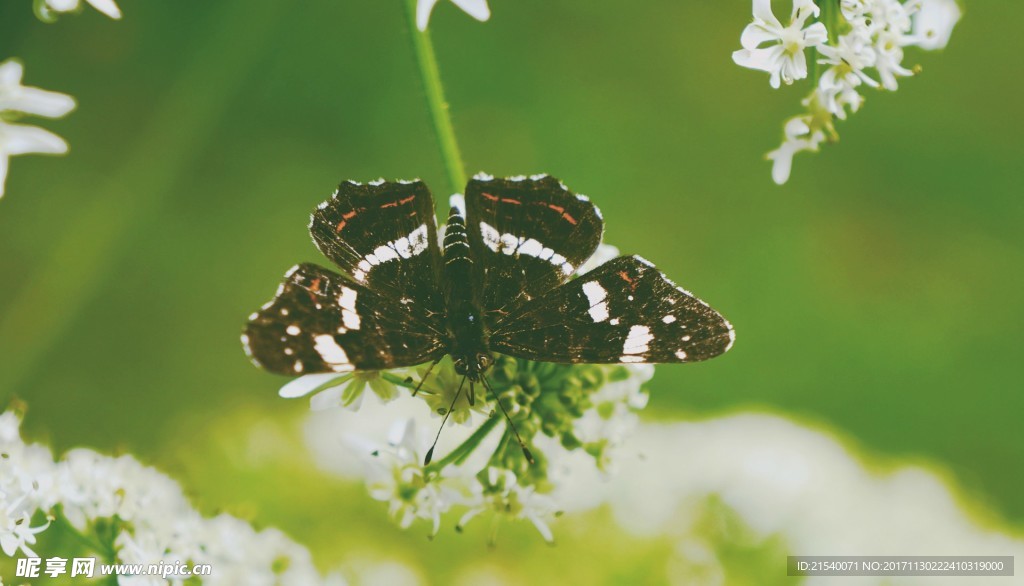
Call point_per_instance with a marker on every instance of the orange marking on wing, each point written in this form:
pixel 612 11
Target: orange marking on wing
pixel 400 202
pixel 625 277
pixel 490 197
pixel 569 219
pixel 510 200
pixel 344 220
pixel 314 288
pixel 558 209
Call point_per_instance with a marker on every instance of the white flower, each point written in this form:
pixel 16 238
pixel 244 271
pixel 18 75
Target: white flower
pixel 799 137
pixel 783 57
pixel 16 531
pixel 613 415
pixel 837 86
pixel 396 476
pixel 341 390
pixel 107 7
pixel 934 22
pixel 507 498
pixel 159 524
pixel 15 100
pixel 476 8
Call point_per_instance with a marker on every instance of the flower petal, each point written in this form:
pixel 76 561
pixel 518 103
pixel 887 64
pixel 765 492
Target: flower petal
pixel 476 8
pixel 11 72
pixel 305 385
pixel 756 35
pixel 21 139
pixel 107 7
pixel 31 100
pixel 423 10
pixel 763 11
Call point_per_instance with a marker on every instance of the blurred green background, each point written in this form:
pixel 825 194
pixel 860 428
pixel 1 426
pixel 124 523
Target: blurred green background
pixel 878 292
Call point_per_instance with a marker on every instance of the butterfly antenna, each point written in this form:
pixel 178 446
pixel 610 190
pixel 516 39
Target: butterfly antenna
pixel 522 444
pixel 424 377
pixel 430 452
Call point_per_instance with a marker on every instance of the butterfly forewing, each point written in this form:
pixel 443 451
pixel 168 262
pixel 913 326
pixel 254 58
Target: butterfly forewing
pixel 527 237
pixel 623 311
pixel 321 322
pixel 383 235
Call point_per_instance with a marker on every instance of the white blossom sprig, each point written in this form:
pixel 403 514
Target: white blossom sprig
pixel 18 101
pixel 854 44
pixel 129 513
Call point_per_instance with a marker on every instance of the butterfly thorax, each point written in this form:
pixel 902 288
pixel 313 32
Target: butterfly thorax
pixel 467 337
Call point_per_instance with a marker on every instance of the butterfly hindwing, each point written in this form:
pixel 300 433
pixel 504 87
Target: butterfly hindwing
pixel 527 236
pixel 383 235
pixel 623 311
pixel 321 322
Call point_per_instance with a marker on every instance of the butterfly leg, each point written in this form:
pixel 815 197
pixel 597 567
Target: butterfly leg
pixel 430 452
pixel 425 375
pixel 522 444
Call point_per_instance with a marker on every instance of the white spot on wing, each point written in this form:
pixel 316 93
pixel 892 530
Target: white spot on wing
pixel 293 330
pixel 668 319
pixel 732 336
pixel 626 358
pixel 637 339
pixel 330 351
pixel 596 295
pixel 347 303
pixel 680 354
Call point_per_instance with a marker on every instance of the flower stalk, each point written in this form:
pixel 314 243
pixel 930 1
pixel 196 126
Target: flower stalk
pixel 426 62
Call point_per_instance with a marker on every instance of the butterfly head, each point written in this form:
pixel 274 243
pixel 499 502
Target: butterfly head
pixel 473 366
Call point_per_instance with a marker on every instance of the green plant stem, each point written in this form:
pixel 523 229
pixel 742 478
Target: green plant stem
pixel 431 76
pixel 830 18
pixel 93 545
pixel 460 453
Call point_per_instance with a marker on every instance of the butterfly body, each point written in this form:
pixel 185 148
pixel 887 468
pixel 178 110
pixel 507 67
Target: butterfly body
pixel 467 338
pixel 503 280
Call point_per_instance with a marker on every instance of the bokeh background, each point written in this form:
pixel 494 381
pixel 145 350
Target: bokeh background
pixel 876 296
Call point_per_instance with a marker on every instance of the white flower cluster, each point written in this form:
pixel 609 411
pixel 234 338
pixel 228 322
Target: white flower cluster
pixel 16 101
pixel 153 522
pixel 855 44
pixel 385 445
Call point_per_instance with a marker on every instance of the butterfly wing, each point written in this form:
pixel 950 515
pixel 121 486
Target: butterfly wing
pixel 527 237
pixel 623 311
pixel 321 322
pixel 384 236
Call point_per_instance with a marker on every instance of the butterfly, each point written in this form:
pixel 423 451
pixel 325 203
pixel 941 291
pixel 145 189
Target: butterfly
pixel 503 280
